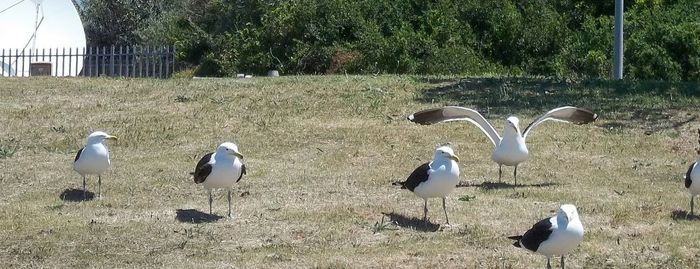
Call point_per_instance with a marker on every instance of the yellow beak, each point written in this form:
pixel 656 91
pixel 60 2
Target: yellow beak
pixel 238 155
pixel 454 157
pixel 112 138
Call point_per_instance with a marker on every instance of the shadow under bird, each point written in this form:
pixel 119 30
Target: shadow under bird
pixel 93 159
pixel 434 179
pixel 692 178
pixel 555 236
pixel 220 169
pixel 510 150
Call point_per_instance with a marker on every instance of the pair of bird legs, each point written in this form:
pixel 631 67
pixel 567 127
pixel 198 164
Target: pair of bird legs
pixel 425 212
pixel 229 202
pixel 549 266
pixel 515 173
pixel 99 188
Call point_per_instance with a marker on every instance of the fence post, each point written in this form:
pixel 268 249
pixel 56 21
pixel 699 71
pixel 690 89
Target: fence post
pixel 70 60
pixel 89 57
pixel 148 58
pixel 140 61
pixel 30 61
pixel 63 62
pixel 128 61
pixel 174 55
pixel 77 58
pixel 104 61
pixel 17 62
pixel 2 60
pixel 121 62
pixel 111 63
pixel 9 62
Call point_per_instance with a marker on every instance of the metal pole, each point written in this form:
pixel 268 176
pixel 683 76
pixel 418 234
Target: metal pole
pixel 618 51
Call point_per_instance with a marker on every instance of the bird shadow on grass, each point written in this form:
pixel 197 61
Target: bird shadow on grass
pixel 76 195
pixel 411 222
pixel 684 215
pixel 487 185
pixel 195 216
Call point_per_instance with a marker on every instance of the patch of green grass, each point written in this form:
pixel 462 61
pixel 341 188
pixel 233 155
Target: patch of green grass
pixel 467 198
pixel 382 225
pixel 55 206
pixel 8 147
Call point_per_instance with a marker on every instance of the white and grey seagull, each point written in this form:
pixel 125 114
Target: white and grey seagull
pixel 510 150
pixel 434 179
pixel 220 169
pixel 93 159
pixel 692 178
pixel 555 236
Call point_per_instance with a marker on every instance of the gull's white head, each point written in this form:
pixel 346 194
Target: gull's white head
pixel 567 213
pixel 513 123
pixel 446 153
pixel 99 137
pixel 229 149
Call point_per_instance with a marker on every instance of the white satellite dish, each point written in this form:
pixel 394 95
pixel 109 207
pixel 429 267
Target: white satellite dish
pixel 40 26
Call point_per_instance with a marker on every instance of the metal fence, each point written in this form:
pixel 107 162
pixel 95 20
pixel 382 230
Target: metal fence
pixel 122 61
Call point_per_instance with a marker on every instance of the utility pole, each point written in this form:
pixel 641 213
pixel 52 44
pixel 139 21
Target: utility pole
pixel 618 46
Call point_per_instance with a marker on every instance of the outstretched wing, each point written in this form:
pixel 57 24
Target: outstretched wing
pixel 203 169
pixel 455 113
pixel 569 114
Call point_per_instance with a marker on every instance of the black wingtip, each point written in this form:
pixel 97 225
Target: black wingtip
pixel 517 240
pixel 399 183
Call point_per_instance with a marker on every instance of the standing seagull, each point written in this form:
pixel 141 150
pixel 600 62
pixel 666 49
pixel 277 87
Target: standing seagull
pixel 510 150
pixel 220 169
pixel 692 178
pixel 555 236
pixel 93 159
pixel 434 179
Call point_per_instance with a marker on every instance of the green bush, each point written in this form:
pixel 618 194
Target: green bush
pixel 543 37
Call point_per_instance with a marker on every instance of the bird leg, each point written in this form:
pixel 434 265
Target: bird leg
pixel 425 212
pixel 500 166
pixel 515 174
pixel 444 209
pixel 549 266
pixel 210 200
pixel 84 190
pixel 99 186
pixel 562 262
pixel 229 203
pixel 691 205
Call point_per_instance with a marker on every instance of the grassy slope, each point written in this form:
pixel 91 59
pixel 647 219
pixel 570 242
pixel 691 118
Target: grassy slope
pixel 322 152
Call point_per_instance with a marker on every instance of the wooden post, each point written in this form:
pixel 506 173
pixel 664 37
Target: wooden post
pixel 111 63
pixel 70 60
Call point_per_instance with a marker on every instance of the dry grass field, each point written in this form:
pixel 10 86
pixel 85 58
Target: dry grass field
pixel 322 152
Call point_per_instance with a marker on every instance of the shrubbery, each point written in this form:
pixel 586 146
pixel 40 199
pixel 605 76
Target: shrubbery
pixel 542 37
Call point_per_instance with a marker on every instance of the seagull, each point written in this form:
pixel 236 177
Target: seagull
pixel 692 179
pixel 510 150
pixel 93 159
pixel 557 235
pixel 434 179
pixel 220 169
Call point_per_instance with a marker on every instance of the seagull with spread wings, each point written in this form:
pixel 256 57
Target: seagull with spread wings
pixel 510 150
